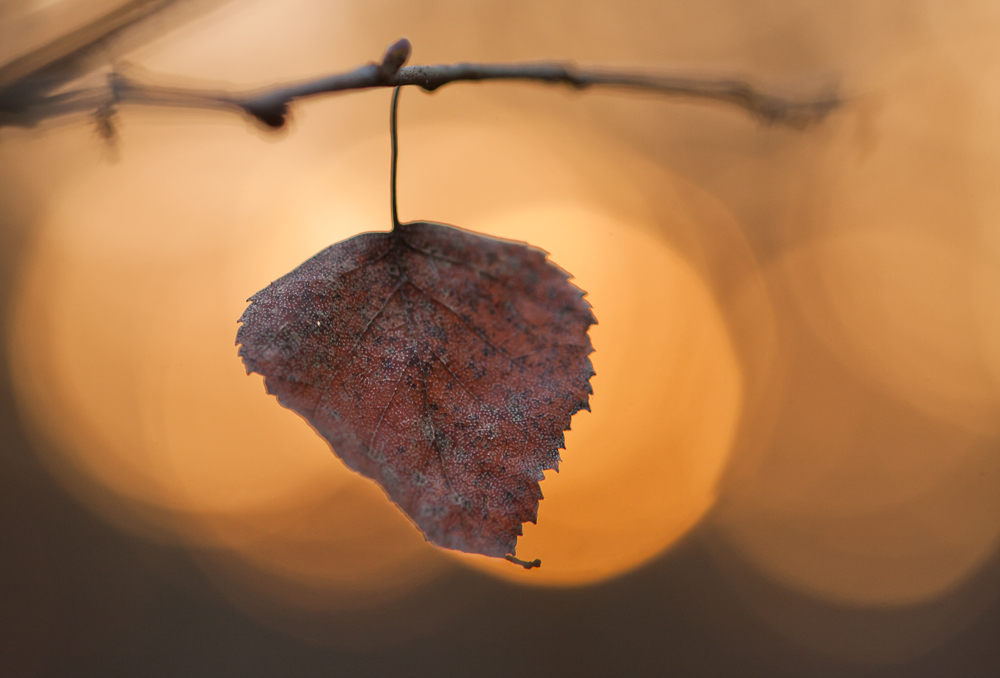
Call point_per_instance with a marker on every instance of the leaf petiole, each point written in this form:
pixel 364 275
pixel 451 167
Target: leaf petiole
pixel 395 153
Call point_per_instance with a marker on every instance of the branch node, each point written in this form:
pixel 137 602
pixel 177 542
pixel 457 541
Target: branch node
pixel 104 120
pixel 271 112
pixel 573 78
pixel 104 115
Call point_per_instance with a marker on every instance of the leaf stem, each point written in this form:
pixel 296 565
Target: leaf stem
pixel 393 137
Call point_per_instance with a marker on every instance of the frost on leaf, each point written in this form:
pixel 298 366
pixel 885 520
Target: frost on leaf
pixel 443 364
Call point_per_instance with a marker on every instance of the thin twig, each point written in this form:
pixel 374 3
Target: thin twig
pixel 271 106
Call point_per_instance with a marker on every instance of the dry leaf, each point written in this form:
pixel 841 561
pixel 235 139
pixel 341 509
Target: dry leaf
pixel 443 364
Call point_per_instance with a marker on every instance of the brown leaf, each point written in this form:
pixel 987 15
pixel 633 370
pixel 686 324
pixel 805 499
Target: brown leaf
pixel 441 363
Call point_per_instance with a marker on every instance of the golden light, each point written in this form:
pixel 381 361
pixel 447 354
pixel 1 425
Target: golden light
pixel 889 273
pixel 640 469
pixel 879 484
pixel 126 361
pixel 798 346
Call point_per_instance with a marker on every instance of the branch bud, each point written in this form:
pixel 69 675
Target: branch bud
pixel 394 58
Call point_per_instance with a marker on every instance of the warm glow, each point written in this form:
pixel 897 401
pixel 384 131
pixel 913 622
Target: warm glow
pixel 640 469
pixel 792 458
pixel 124 352
pixel 878 485
pixel 126 357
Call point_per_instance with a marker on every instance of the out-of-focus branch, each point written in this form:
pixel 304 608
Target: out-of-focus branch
pixel 71 55
pixel 28 82
pixel 272 106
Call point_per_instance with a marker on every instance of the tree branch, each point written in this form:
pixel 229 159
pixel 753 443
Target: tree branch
pixel 272 106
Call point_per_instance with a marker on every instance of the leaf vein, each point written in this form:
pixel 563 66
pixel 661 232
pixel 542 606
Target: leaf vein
pixel 472 328
pixel 385 410
pixel 347 357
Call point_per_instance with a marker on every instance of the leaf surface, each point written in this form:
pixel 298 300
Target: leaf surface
pixel 441 363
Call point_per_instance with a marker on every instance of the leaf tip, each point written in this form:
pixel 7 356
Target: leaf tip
pixel 537 562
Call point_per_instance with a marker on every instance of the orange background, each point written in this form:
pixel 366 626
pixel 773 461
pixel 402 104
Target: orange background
pixel 791 466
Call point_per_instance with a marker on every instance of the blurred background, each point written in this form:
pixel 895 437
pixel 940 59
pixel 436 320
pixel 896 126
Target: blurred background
pixel 792 467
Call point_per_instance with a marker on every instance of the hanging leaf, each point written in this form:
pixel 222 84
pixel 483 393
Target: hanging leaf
pixel 443 364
